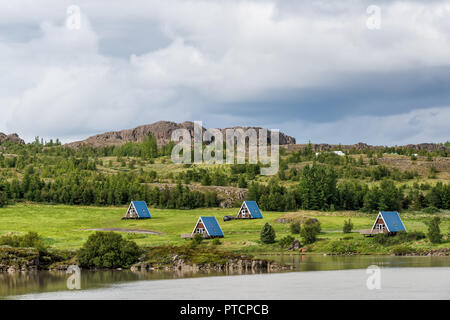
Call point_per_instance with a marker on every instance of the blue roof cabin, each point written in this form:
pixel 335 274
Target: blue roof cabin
pixel 208 227
pixel 388 222
pixel 137 210
pixel 249 210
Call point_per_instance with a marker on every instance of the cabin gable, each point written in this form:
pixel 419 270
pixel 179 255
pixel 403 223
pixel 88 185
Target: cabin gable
pixel 249 210
pixel 137 210
pixel 388 222
pixel 208 227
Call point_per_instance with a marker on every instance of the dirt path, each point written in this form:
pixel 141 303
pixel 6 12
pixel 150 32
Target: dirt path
pixel 124 230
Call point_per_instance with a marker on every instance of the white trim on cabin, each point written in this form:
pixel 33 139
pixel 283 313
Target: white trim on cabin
pixel 204 225
pixel 128 211
pixel 380 215
pixel 248 210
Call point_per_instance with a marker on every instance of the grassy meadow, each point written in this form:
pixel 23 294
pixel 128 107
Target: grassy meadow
pixel 64 227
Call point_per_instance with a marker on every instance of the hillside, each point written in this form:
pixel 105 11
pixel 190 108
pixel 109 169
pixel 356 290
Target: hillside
pixel 161 130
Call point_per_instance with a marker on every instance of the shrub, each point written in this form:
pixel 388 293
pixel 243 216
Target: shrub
pixel 28 240
pixel 402 250
pixel 267 234
pixel 198 238
pixel 348 226
pixel 434 231
pixel 286 241
pixel 310 230
pixel 411 236
pixel 216 242
pixel 295 227
pixel 314 223
pixel 381 238
pixel 341 247
pixel 430 209
pixel 108 250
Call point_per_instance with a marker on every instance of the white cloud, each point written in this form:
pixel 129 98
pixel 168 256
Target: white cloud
pixel 60 84
pixel 416 126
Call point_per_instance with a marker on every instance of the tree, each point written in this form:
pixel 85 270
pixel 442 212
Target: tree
pixel 286 241
pixel 434 231
pixel 149 147
pixel 348 226
pixel 267 234
pixel 311 228
pixel 108 250
pixel 242 182
pixel 295 227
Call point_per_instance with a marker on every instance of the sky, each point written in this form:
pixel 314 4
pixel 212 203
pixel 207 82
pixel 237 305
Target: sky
pixel 321 71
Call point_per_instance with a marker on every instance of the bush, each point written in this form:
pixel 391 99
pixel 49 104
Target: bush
pixel 198 238
pixel 314 223
pixel 286 241
pixel 310 230
pixel 108 250
pixel 295 227
pixel 267 234
pixel 430 209
pixel 341 247
pixel 434 231
pixel 348 226
pixel 411 236
pixel 216 242
pixel 401 237
pixel 28 240
pixel 382 238
pixel 402 250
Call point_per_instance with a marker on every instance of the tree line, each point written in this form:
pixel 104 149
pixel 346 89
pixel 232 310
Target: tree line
pixel 318 189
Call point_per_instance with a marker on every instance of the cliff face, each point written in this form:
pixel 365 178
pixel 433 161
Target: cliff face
pixel 11 138
pixel 162 131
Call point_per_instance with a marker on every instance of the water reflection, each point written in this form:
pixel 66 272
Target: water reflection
pixel 332 262
pixel 45 281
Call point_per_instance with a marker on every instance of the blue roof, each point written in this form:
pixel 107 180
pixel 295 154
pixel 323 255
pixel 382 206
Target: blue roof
pixel 253 208
pixel 393 221
pixel 141 209
pixel 212 226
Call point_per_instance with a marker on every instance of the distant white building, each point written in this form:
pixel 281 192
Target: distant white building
pixel 339 153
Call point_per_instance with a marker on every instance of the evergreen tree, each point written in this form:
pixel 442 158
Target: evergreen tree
pixel 267 234
pixel 434 231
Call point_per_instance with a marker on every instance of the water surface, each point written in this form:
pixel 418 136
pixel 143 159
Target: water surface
pixel 315 277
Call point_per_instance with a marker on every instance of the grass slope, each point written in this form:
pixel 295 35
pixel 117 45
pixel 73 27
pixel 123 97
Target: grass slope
pixel 63 227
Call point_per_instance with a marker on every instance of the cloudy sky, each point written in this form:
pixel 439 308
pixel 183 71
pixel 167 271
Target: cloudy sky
pixel 313 69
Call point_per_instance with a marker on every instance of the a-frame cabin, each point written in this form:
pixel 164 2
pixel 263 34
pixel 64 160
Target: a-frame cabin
pixel 137 210
pixel 388 222
pixel 208 227
pixel 249 210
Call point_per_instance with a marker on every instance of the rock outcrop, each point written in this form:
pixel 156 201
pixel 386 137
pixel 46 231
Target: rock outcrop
pixel 14 137
pixel 162 130
pixel 18 259
pixel 233 266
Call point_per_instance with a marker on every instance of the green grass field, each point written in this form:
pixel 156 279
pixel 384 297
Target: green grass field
pixel 64 227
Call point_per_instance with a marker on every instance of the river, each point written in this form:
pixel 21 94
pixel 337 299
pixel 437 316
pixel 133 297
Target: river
pixel 315 277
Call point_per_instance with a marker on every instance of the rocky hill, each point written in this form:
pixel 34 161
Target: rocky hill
pixel 11 138
pixel 162 130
